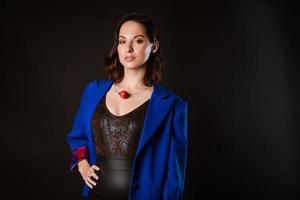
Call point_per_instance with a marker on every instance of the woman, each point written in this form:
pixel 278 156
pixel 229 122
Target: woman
pixel 129 136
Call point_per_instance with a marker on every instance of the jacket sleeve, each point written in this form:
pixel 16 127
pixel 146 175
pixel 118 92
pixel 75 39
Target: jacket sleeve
pixel 175 180
pixel 77 138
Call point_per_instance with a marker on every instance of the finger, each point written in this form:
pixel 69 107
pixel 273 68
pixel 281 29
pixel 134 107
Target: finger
pixel 91 181
pixel 95 176
pixel 95 167
pixel 88 184
pixel 89 172
pixel 87 175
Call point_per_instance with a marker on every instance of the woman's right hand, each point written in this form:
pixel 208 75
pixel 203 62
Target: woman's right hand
pixel 87 172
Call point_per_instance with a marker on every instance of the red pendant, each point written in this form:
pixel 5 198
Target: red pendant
pixel 124 94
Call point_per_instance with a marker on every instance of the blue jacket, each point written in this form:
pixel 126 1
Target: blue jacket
pixel 159 165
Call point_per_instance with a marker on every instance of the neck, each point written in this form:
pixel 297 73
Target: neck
pixel 133 79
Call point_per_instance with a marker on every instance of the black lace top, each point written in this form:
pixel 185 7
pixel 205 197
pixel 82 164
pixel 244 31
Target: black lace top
pixel 117 135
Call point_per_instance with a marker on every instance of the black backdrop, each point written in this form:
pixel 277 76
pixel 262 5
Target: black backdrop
pixel 236 63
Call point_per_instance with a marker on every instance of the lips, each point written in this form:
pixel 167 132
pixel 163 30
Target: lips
pixel 129 58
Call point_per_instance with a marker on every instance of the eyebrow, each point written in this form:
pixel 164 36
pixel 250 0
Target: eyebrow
pixel 133 37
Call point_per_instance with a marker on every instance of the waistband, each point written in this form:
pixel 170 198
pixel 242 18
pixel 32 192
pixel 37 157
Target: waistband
pixel 114 162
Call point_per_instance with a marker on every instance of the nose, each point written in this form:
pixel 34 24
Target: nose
pixel 129 47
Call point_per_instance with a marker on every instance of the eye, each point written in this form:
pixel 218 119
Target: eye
pixel 139 41
pixel 121 42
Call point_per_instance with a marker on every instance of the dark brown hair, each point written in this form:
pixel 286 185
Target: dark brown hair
pixel 154 63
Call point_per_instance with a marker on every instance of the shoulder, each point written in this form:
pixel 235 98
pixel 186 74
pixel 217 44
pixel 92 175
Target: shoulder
pixel 179 101
pixel 97 84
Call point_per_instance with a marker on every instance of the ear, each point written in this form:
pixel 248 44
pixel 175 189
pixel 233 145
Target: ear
pixel 155 46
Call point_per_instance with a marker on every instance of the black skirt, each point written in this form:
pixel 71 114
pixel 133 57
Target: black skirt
pixel 114 178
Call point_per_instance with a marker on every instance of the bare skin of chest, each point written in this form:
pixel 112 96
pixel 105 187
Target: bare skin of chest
pixel 119 106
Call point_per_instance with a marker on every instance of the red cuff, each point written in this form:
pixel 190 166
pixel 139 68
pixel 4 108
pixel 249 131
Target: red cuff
pixel 78 155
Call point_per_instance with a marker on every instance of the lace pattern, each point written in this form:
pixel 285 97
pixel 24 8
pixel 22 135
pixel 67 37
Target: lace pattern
pixel 117 135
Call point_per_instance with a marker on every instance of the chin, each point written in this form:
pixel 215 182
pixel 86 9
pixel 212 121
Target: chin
pixel 131 66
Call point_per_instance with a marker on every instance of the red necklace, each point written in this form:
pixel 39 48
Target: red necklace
pixel 124 94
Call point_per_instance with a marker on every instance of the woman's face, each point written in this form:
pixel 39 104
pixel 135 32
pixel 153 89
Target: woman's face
pixel 134 46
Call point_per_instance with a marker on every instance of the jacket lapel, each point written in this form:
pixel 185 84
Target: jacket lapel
pixel 97 94
pixel 159 105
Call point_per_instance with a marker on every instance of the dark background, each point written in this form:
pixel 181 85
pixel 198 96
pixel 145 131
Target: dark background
pixel 236 63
